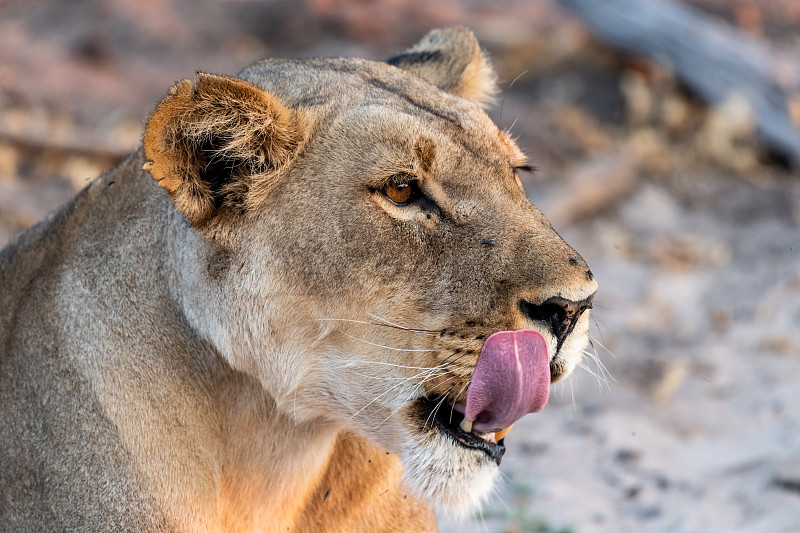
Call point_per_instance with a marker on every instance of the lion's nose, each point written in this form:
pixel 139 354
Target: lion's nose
pixel 560 314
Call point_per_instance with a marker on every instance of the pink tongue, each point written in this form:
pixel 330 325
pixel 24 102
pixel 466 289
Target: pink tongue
pixel 512 379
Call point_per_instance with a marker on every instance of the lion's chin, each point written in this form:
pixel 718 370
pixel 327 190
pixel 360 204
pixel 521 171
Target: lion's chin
pixel 452 469
pixel 456 480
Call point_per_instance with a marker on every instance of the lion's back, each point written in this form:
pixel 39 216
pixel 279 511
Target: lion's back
pixel 62 466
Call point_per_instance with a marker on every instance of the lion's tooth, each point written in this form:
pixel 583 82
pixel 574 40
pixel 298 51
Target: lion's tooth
pixel 500 434
pixel 466 425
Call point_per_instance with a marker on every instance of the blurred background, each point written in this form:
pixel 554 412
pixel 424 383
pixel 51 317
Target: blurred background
pixel 665 137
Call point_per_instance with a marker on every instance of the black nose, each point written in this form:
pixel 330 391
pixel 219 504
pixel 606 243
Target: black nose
pixel 559 313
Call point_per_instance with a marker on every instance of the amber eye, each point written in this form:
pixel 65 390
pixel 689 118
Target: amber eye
pixel 400 194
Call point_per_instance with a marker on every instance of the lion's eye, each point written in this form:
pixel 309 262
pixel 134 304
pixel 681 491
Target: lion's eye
pixel 402 193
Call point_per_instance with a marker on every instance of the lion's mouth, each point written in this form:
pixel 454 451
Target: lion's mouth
pixel 510 380
pixel 450 422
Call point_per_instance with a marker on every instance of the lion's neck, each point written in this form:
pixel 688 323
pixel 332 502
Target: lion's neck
pixel 271 463
pixel 281 475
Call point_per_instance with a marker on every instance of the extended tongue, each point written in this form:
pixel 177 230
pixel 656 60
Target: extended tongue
pixel 511 379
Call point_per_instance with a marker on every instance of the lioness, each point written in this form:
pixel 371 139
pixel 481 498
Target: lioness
pixel 313 300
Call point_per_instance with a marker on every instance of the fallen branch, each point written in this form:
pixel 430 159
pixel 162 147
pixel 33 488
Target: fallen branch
pixel 712 59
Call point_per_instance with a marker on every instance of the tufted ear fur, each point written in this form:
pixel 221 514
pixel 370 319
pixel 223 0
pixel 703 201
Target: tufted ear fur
pixel 219 143
pixel 451 59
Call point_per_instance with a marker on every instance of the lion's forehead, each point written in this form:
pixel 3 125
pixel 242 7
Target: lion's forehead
pixel 383 102
pixel 306 82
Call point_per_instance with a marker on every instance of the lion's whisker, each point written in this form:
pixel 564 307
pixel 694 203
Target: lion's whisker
pixel 396 385
pixel 452 406
pixel 599 324
pixel 431 333
pixel 354 362
pixel 449 361
pixel 437 406
pixel 429 373
pixel 402 404
pixel 557 390
pixel 572 393
pixel 601 367
pixel 601 380
pixel 375 399
pixel 387 347
pixel 392 378
pixel 430 377
pixel 346 320
pixel 388 322
pixel 593 340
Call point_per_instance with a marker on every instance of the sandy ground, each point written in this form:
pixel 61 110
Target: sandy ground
pixel 690 422
pixel 699 429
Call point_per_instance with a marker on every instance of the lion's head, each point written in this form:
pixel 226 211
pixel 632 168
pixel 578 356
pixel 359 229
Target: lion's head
pixel 363 246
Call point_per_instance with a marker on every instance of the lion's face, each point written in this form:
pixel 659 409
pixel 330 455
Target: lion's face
pixel 380 266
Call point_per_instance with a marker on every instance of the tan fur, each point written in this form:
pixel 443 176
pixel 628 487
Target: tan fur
pixel 249 346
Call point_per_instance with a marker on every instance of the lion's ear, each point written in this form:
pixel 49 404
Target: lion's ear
pixel 451 59
pixel 219 142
